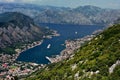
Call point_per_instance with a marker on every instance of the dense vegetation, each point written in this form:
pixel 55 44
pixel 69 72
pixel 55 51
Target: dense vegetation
pixel 91 62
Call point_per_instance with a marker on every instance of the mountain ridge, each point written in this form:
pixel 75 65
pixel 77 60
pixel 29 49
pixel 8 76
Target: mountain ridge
pixel 89 15
pixel 17 29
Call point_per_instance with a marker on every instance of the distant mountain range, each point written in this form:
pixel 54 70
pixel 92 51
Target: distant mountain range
pixel 17 29
pixel 88 15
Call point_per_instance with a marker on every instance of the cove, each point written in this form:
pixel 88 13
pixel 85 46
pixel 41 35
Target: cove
pixel 66 31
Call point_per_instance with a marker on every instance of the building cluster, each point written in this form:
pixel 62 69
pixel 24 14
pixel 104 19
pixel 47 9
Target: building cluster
pixel 71 46
pixel 17 68
pixel 9 67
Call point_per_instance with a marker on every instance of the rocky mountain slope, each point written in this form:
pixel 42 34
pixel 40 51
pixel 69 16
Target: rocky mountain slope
pixel 17 29
pixel 98 59
pixel 88 15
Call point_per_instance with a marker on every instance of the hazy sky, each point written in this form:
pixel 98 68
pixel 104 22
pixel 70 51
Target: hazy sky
pixel 71 3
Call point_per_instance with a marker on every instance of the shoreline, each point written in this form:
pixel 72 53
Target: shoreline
pixel 71 47
pixel 27 47
pixel 13 57
pixel 12 68
pixel 34 44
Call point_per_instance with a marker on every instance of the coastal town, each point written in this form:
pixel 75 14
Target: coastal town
pixel 10 68
pixel 9 71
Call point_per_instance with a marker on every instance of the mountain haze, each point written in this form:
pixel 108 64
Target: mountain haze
pixel 87 15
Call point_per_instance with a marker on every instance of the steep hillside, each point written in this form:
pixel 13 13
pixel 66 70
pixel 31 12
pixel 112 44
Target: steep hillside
pixel 80 15
pixel 61 15
pixel 98 59
pixel 17 29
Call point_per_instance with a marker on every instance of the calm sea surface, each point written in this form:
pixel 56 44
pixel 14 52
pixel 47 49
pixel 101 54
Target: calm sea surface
pixel 66 31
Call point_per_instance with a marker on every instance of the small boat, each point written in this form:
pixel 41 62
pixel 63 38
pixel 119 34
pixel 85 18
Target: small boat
pixel 48 46
pixel 76 32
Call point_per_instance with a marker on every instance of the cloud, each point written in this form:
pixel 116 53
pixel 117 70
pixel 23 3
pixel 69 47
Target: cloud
pixel 114 5
pixel 7 0
pixel 20 1
pixel 29 1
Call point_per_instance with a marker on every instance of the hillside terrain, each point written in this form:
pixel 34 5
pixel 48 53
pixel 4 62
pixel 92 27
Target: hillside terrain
pixel 98 59
pixel 19 33
pixel 88 15
pixel 16 30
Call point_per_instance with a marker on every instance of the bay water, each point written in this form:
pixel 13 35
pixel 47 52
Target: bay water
pixel 66 31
